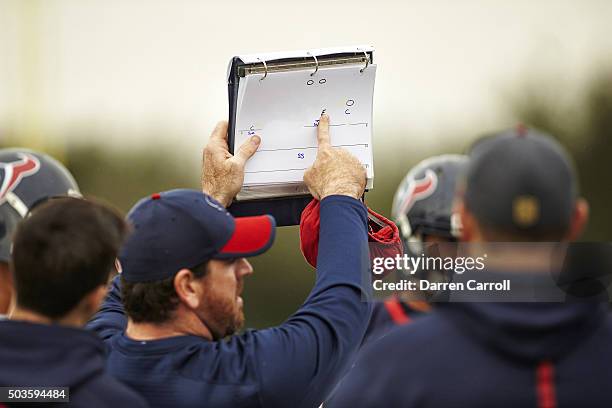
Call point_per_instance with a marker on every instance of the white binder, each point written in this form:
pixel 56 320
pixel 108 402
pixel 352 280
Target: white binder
pixel 280 97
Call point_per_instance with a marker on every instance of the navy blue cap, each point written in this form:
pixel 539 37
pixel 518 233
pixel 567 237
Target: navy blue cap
pixel 184 228
pixel 521 181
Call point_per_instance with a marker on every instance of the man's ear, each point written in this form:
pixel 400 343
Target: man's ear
pixel 580 217
pixel 188 288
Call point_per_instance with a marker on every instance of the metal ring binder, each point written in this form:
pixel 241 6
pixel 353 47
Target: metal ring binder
pixel 266 69
pixel 367 61
pixel 316 62
pixel 297 64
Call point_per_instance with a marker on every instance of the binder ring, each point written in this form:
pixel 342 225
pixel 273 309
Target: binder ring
pixel 266 69
pixel 367 61
pixel 316 62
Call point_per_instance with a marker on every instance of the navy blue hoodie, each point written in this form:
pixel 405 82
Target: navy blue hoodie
pixel 38 355
pixel 293 365
pixel 488 355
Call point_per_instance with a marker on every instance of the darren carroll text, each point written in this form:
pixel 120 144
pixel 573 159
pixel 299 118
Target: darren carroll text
pixel 436 286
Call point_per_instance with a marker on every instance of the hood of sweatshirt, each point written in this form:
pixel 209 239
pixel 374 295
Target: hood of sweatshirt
pixel 528 331
pixel 48 355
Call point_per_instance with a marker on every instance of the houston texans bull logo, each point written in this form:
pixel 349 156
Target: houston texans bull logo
pixel 12 173
pixel 419 189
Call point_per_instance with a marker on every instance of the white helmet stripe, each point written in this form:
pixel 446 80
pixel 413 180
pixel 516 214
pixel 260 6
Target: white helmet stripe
pixel 17 204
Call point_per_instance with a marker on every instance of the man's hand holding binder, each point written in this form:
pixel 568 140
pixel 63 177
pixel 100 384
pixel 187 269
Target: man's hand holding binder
pixel 222 172
pixel 335 170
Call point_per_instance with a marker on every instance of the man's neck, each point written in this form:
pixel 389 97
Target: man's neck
pixel 515 256
pixel 32 317
pixel 173 328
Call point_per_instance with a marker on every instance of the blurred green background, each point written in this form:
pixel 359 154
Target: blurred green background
pixel 81 81
pixel 282 278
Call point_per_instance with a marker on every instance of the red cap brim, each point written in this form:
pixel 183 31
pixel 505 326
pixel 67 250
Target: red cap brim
pixel 252 236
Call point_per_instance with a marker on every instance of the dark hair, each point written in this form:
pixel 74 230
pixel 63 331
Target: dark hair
pixel 61 252
pixel 153 302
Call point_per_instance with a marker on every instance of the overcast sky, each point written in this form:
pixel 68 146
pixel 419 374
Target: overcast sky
pixel 126 67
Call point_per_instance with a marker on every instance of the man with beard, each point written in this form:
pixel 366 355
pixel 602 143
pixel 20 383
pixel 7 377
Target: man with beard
pixel 183 271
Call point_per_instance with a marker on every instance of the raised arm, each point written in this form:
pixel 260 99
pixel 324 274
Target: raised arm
pixel 111 318
pixel 222 178
pixel 301 360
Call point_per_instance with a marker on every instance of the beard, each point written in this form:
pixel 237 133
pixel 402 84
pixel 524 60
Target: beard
pixel 222 314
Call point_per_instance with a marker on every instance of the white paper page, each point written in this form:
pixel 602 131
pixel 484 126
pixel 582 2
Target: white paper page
pixel 284 109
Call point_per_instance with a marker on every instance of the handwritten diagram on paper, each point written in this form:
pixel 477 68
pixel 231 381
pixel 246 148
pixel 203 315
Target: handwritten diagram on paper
pixel 284 109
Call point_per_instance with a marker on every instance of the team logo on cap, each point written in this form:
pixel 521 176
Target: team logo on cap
pixel 419 189
pixel 15 171
pixel 525 211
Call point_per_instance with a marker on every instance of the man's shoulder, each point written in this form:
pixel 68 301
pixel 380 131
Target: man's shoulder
pixel 384 373
pixel 191 357
pixel 607 326
pixel 429 342
pixel 386 316
pixel 431 329
pixel 105 391
pixel 600 339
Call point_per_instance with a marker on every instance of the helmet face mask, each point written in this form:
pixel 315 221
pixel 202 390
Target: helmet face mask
pixel 27 179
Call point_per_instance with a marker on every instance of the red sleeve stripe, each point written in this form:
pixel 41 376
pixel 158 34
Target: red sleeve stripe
pixel 397 312
pixel 545 385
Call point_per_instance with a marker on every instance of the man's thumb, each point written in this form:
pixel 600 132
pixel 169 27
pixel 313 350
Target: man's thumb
pixel 247 149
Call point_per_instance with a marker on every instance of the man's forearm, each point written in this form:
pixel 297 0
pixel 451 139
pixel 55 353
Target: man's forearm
pixel 111 318
pixel 329 326
pixel 343 240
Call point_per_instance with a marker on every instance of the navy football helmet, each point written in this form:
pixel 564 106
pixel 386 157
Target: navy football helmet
pixel 423 202
pixel 28 178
